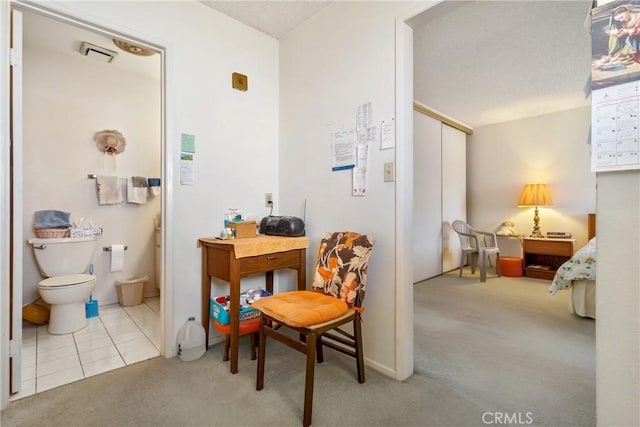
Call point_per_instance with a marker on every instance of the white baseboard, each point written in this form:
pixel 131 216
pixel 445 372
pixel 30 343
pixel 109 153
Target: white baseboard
pixel 385 370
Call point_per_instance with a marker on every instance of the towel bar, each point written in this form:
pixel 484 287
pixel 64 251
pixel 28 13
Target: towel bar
pixel 108 248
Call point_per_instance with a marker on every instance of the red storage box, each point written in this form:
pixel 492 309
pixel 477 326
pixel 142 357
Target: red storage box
pixel 511 266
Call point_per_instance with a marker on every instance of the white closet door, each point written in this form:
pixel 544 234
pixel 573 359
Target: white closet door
pixel 427 202
pixel 454 192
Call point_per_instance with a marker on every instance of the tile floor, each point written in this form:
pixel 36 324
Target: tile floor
pixel 120 336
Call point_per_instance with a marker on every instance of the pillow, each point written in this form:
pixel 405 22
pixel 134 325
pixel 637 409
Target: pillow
pixel 342 266
pixel 301 308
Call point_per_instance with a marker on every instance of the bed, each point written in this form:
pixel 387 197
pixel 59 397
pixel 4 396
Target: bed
pixel 579 275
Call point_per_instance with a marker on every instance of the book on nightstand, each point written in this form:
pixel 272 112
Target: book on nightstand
pixel 558 235
pixel 539 267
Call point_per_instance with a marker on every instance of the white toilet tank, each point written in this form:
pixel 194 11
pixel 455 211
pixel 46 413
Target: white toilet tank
pixel 57 257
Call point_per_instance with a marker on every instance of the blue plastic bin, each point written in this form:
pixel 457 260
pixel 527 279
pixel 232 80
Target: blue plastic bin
pixel 218 312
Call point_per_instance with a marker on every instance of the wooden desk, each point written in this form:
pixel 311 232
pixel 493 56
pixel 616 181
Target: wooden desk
pixel 231 260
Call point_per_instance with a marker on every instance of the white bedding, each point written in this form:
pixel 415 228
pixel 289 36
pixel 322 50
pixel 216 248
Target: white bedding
pixel 581 266
pixel 583 298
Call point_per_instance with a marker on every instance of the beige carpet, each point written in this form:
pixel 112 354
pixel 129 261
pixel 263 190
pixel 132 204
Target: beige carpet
pixel 508 346
pixel 504 346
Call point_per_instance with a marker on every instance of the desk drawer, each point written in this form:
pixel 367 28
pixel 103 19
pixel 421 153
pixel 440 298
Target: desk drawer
pixel 551 247
pixel 260 263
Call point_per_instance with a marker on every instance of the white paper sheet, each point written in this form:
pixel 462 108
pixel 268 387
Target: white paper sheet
pixel 360 171
pixel 343 150
pixel 359 182
pixel 367 135
pixel 186 168
pixel 364 116
pixel 362 151
pixel 388 137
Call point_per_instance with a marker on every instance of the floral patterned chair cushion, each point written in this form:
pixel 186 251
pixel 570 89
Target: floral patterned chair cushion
pixel 342 266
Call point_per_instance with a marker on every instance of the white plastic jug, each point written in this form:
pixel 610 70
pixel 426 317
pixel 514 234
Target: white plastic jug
pixel 191 341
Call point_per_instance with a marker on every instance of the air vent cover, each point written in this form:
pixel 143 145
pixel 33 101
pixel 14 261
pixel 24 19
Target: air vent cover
pixel 97 52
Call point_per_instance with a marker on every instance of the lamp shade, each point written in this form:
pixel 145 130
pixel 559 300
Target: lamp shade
pixel 535 195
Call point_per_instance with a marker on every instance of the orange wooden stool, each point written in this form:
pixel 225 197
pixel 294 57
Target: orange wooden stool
pixel 251 326
pixel 511 266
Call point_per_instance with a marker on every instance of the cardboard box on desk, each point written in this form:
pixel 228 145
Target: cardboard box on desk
pixel 244 229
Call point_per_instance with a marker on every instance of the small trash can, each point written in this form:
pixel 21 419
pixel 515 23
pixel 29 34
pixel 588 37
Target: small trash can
pixel 131 292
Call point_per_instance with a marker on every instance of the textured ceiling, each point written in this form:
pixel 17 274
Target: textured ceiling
pixel 275 18
pixel 486 62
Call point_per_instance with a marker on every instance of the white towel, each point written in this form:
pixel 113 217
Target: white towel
pixel 122 183
pixel 117 258
pixel 108 190
pixel 136 194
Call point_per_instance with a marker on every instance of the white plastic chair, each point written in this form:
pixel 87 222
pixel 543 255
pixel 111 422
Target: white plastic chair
pixel 468 244
pixel 478 248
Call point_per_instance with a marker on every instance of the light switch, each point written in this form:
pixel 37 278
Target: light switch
pixel 389 173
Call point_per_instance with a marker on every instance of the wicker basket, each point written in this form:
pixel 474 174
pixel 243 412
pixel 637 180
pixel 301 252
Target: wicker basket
pixel 51 233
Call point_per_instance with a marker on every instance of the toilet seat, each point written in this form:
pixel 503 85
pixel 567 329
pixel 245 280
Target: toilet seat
pixel 67 281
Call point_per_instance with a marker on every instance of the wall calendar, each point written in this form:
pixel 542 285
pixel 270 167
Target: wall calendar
pixel 615 85
pixel 615 130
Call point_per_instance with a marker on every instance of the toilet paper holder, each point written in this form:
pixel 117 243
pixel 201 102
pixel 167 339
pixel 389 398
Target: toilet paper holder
pixel 108 248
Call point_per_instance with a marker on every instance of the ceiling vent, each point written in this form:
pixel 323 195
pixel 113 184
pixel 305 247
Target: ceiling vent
pixel 97 52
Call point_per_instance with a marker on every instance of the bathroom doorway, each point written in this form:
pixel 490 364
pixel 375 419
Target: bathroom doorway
pixel 70 92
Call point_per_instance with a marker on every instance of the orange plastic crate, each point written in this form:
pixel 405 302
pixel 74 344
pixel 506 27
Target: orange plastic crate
pixel 246 327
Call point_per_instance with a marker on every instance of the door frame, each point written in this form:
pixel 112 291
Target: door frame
pixel 64 13
pixel 16 202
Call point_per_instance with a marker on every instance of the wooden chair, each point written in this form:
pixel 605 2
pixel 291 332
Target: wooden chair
pixel 336 300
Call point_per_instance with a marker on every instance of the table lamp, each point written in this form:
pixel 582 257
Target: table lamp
pixel 535 195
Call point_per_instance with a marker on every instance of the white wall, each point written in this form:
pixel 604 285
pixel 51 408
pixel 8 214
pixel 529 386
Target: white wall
pixel 335 61
pixel 618 299
pixel 549 149
pixel 236 132
pixel 67 98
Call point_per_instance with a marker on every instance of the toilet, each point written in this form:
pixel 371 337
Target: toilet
pixel 66 288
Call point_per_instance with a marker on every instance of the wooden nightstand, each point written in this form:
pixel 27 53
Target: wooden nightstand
pixel 542 257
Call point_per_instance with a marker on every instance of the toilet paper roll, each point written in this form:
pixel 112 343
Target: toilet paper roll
pixel 117 258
